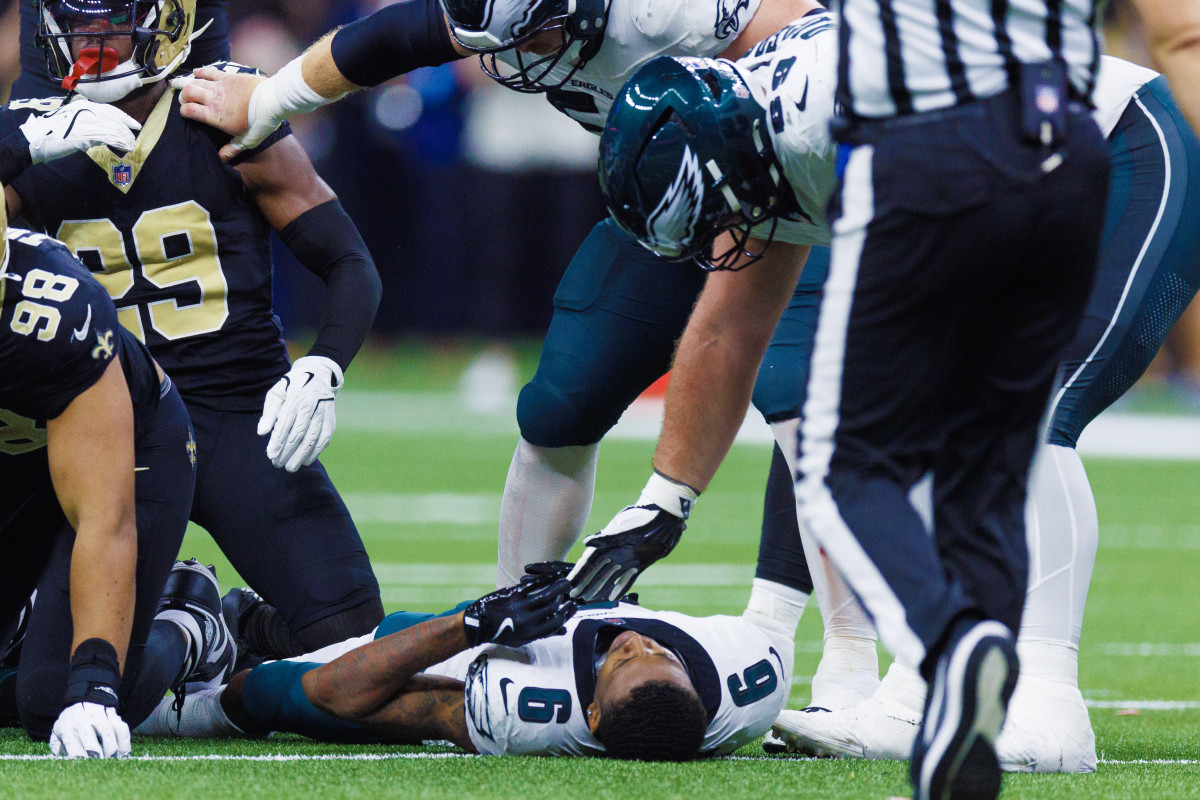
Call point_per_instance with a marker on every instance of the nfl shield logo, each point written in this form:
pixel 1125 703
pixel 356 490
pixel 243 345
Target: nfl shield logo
pixel 1047 99
pixel 122 174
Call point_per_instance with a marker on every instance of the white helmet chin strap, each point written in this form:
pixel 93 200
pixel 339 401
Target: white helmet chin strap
pixel 111 90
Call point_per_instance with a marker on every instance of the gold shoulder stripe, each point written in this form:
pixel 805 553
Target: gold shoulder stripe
pixel 122 171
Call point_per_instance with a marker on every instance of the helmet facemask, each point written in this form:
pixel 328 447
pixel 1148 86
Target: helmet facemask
pixel 579 23
pixel 160 32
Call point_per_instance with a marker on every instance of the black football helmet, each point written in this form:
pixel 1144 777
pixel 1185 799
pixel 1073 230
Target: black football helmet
pixel 685 156
pixel 161 31
pixel 489 27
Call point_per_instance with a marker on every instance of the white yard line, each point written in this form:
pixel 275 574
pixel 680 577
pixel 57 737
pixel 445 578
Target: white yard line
pixel 281 757
pixel 1148 649
pixel 1113 434
pixel 1145 705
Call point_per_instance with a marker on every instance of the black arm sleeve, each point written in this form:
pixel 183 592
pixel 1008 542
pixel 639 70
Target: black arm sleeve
pixel 394 40
pixel 326 242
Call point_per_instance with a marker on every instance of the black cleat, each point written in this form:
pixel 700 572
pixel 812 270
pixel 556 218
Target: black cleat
pixel 954 757
pixel 237 606
pixel 192 588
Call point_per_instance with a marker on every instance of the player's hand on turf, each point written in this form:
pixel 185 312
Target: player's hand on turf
pixel 636 537
pixel 75 127
pixel 89 730
pixel 298 412
pixel 519 614
pixel 225 100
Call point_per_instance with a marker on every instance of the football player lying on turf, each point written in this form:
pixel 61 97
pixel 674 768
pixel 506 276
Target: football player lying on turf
pixel 517 672
pixel 619 309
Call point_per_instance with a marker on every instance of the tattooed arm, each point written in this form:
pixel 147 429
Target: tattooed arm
pixel 379 686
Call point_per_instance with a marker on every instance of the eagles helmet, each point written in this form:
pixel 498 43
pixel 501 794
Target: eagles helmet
pixel 685 156
pixel 489 27
pixel 161 32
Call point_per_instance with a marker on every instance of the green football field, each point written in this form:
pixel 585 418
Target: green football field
pixel 423 477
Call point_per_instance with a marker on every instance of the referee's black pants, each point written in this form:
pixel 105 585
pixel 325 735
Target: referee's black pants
pixel 962 262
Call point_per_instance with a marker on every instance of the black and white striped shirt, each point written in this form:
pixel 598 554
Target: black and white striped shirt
pixel 906 56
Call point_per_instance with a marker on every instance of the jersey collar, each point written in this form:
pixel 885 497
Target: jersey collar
pixel 122 171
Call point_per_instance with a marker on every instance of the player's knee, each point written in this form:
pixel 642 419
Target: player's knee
pixel 356 621
pixel 550 418
pixel 39 700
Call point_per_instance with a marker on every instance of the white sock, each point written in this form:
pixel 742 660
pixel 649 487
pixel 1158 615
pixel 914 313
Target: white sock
pixel 849 669
pixel 1048 661
pixel 547 498
pixel 904 686
pixel 777 609
pixel 201 718
pixel 1062 532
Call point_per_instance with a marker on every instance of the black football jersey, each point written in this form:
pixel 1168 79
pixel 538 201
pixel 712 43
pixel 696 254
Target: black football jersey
pixel 58 333
pixel 171 232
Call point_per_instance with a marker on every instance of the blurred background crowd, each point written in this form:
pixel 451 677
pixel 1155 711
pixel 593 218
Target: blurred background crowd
pixel 471 197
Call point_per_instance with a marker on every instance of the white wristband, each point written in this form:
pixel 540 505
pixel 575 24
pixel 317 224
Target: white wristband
pixel 675 498
pixel 285 93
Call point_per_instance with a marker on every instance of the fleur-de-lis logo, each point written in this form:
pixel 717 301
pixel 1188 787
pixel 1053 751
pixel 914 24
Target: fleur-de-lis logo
pixel 104 345
pixel 191 449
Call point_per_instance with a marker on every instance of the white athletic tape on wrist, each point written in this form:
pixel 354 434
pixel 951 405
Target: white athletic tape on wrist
pixel 675 498
pixel 283 94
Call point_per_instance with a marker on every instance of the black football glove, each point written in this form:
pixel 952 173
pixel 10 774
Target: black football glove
pixel 635 538
pixel 540 569
pixel 519 614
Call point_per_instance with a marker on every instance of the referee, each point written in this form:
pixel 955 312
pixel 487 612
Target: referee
pixel 965 235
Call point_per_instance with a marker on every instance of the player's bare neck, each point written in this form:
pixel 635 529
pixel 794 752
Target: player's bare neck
pixel 769 18
pixel 140 102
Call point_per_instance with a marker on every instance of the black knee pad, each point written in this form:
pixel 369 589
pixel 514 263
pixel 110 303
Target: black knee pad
pixel 357 621
pixel 547 418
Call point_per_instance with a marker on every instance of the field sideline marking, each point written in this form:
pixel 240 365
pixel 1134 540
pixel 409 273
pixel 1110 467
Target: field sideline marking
pixel 281 757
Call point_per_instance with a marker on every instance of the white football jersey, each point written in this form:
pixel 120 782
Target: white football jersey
pixel 1116 85
pixel 638 31
pixel 531 700
pixel 796 67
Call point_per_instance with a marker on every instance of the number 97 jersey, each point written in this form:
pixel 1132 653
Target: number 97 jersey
pixel 532 700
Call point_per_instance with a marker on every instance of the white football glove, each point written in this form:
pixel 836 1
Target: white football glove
pixel 75 127
pixel 298 412
pixel 89 730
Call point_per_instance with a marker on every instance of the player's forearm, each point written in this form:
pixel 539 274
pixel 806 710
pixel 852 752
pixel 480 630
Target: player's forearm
pixel 711 384
pixel 321 72
pixel 393 41
pixel 103 565
pixel 361 682
pixel 717 363
pixel 98 502
pixel 327 243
